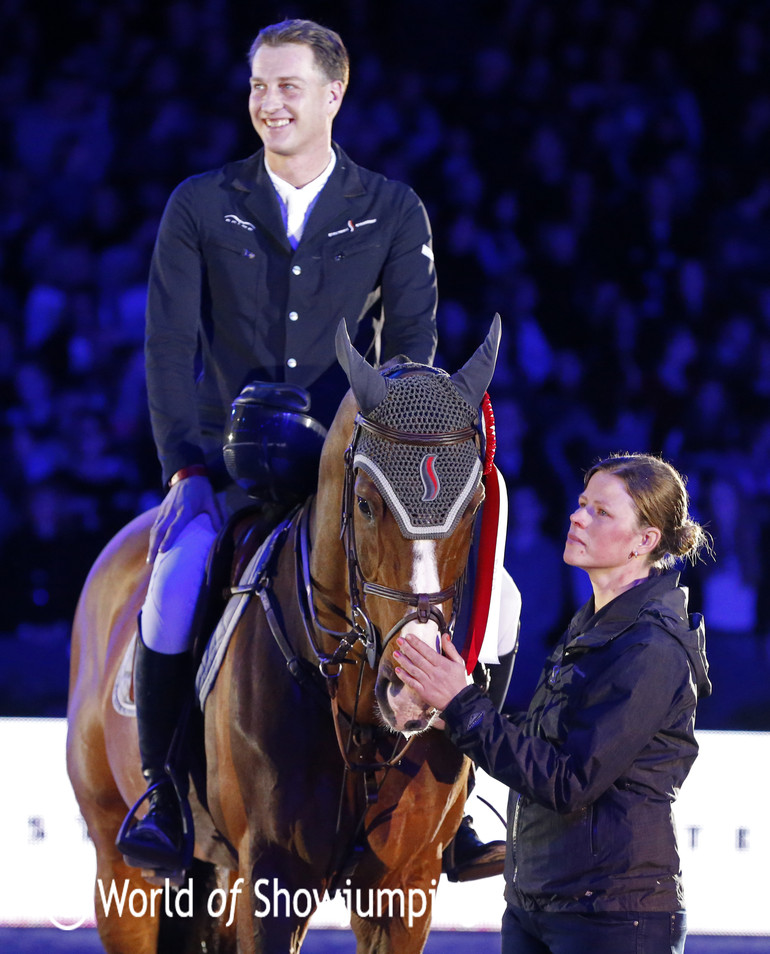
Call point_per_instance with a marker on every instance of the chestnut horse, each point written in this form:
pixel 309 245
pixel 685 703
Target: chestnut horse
pixel 323 770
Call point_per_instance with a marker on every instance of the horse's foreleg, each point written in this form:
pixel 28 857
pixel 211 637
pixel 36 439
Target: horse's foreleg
pixel 273 915
pixel 394 919
pixel 392 915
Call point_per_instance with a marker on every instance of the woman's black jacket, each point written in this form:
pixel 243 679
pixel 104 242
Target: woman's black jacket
pixel 597 761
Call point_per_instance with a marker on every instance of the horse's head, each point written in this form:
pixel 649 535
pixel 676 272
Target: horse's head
pixel 412 486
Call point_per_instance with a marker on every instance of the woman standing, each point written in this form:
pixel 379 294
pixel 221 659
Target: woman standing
pixel 596 762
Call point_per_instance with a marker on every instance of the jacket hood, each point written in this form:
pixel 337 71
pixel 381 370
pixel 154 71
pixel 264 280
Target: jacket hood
pixel 659 599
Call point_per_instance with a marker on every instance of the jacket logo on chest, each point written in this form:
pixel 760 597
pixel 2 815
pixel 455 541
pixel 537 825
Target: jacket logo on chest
pixel 351 226
pixel 234 220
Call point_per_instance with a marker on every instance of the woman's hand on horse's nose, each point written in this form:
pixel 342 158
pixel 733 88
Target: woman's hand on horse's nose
pixel 436 678
pixel 185 500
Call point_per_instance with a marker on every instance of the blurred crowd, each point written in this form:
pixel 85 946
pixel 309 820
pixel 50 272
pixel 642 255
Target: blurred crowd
pixel 596 171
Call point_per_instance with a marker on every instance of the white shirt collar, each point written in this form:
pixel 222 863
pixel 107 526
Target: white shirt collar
pixel 297 204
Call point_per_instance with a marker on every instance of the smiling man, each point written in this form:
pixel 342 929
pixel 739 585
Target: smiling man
pixel 254 266
pixel 292 106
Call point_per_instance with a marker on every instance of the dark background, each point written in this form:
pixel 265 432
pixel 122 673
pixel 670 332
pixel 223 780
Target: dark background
pixel 595 171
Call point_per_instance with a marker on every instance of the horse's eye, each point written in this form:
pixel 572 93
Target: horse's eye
pixel 363 506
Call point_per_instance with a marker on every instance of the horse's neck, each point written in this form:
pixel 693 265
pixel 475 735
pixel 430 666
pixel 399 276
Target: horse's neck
pixel 331 616
pixel 328 565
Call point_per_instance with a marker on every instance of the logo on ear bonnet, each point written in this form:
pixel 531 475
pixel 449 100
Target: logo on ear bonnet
pixel 429 477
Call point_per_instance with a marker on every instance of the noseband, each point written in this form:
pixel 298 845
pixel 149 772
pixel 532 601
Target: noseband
pixel 426 604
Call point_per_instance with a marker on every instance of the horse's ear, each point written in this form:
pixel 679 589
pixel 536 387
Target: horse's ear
pixel 472 380
pixel 368 385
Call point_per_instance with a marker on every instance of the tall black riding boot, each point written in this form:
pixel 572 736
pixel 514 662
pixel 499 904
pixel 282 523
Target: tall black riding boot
pixel 161 685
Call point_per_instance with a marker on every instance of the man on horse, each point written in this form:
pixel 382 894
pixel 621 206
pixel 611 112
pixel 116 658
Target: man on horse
pixel 254 265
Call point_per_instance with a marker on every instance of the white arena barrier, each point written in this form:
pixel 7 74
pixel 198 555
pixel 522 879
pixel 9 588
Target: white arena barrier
pixel 722 820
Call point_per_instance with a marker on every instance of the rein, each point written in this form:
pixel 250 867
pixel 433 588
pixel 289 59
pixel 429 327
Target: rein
pixel 329 666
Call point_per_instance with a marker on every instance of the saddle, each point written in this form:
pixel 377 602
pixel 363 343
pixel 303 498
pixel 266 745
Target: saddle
pixel 233 548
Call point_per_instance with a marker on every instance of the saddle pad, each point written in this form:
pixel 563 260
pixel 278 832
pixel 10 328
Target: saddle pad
pixel 123 689
pixel 234 610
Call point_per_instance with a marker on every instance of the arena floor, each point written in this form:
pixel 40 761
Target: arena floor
pixel 84 941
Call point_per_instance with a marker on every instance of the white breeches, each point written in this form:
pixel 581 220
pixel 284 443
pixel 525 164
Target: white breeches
pixel 176 579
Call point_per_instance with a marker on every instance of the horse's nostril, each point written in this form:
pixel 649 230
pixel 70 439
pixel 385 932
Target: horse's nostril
pixel 413 725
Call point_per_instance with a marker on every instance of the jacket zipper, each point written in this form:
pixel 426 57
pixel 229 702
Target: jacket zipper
pixel 514 832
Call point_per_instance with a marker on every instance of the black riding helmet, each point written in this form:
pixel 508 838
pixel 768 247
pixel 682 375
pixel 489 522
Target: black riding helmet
pixel 272 446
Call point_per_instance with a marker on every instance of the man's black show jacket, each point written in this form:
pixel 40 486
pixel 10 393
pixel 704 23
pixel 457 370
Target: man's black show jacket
pixel 230 301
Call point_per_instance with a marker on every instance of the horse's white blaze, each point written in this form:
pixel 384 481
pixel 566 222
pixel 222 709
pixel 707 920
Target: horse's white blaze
pixel 409 711
pixel 425 579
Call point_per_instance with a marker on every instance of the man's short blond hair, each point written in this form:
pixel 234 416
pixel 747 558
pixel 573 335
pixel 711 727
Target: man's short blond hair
pixel 328 49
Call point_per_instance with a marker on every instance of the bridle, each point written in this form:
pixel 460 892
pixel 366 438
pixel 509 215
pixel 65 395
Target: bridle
pixel 426 604
pixel 362 629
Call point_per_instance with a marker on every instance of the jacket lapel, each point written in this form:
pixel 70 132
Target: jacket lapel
pixel 260 198
pixel 335 200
